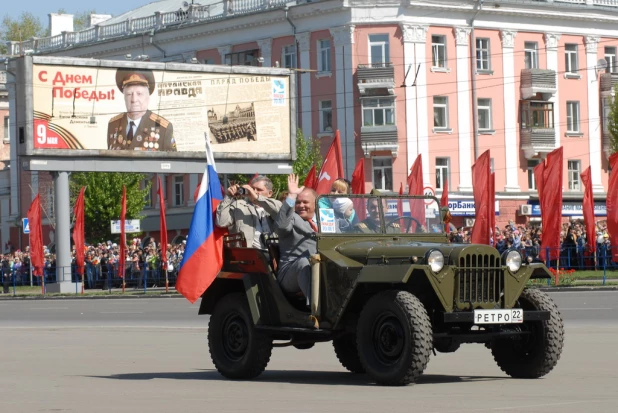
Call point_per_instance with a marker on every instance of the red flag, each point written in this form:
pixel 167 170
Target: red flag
pixel 612 205
pixel 163 226
pixel 123 240
pixel 481 187
pixel 492 206
pixel 548 177
pixel 415 187
pixel 444 198
pixel 36 236
pixel 332 168
pixel 358 178
pixel 78 231
pixel 588 208
pixel 311 180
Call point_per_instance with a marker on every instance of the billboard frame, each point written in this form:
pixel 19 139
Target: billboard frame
pixel 129 161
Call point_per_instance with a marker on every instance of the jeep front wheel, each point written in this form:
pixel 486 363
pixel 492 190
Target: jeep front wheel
pixel 237 349
pixel 394 338
pixel 535 354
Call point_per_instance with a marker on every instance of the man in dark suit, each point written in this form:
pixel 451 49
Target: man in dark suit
pixel 296 228
pixel 138 128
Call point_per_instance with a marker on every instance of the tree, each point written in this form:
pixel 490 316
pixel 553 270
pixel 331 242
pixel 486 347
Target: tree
pixel 103 199
pixel 612 124
pixel 23 28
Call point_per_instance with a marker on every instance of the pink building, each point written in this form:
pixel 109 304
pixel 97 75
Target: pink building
pixel 447 80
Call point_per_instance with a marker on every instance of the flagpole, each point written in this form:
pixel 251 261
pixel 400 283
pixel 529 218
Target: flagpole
pixel 30 266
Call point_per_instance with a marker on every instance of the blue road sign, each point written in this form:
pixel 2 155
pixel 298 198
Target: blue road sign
pixel 25 225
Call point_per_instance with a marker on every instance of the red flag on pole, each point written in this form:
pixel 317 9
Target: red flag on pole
pixel 311 180
pixel 415 187
pixel 492 207
pixel 332 168
pixel 78 231
pixel 123 240
pixel 163 225
pixel 358 178
pixel 36 236
pixel 548 177
pixel 444 197
pixel 481 188
pixel 400 202
pixel 612 205
pixel 588 208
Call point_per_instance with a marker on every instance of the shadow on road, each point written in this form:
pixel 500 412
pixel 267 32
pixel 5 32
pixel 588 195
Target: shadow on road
pixel 296 377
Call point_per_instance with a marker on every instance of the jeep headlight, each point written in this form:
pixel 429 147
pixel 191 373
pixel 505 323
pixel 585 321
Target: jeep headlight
pixel 435 260
pixel 512 259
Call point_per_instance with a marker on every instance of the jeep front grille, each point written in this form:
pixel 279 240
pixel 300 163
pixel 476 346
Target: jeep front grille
pixel 480 279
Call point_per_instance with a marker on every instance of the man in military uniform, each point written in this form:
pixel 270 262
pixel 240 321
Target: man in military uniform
pixel 371 225
pixel 138 128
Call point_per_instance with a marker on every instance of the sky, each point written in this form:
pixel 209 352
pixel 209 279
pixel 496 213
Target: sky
pixel 41 8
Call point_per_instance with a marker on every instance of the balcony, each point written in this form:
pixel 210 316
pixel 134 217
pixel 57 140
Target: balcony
pixel 608 83
pixel 379 138
pixel 537 140
pixel 535 81
pixel 376 79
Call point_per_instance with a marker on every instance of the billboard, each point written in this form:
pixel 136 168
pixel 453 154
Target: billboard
pixel 159 110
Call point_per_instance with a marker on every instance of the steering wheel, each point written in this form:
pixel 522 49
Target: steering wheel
pixel 408 227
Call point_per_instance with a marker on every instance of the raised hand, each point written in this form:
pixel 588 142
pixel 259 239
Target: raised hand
pixel 251 194
pixel 293 188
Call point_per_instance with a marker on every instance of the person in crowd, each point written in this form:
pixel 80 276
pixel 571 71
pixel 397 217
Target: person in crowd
pixel 251 214
pixel 371 224
pixel 340 186
pixel 344 214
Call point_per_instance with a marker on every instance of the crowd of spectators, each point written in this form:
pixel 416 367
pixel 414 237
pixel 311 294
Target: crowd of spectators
pixel 143 265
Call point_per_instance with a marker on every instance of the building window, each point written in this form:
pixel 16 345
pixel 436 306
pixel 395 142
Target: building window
pixel 179 185
pixel 326 116
pixel 378 50
pixel 574 172
pixel 570 57
pixel 484 114
pixel 531 55
pixel 7 134
pixel 323 56
pixel 244 58
pixel 537 115
pixel 573 117
pixel 288 56
pixel 482 54
pixel 531 182
pixel 610 58
pixel 441 172
pixel 383 173
pixel 438 51
pixel 378 112
pixel 440 112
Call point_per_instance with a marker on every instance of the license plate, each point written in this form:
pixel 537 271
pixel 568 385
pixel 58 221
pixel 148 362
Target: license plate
pixel 500 316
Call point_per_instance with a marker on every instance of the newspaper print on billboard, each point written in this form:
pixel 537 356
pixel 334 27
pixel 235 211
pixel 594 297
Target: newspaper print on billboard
pixel 108 109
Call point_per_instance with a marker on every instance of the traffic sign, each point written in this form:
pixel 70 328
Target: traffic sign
pixel 25 225
pixel 429 191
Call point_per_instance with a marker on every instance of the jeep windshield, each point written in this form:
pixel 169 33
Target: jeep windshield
pixel 387 214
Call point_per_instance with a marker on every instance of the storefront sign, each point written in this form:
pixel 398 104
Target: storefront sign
pixel 465 208
pixel 573 209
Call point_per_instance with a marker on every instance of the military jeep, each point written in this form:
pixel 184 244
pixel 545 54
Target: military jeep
pixel 386 299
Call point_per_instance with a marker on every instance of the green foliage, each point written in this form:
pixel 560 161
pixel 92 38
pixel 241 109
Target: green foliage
pixel 80 19
pixel 612 124
pixel 103 200
pixel 307 154
pixel 23 28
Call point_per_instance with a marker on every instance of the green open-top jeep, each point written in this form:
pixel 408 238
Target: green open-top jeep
pixel 386 290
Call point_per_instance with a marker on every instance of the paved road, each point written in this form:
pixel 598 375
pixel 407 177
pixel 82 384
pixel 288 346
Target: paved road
pixel 150 355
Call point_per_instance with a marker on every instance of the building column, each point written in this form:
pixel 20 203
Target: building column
pixel 464 126
pixel 343 39
pixel 5 224
pixel 510 110
pixel 266 49
pixel 594 121
pixel 14 170
pixel 224 50
pixel 303 40
pixel 417 116
pixel 551 48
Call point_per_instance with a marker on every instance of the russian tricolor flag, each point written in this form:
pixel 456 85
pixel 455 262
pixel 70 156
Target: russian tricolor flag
pixel 203 255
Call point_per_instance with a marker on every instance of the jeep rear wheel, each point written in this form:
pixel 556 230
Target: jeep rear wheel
pixel 394 338
pixel 237 349
pixel 347 352
pixel 535 354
